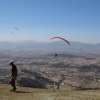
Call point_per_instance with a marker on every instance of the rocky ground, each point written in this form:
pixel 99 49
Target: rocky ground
pixel 24 93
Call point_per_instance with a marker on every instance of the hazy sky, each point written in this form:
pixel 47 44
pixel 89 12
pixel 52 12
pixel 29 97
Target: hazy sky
pixel 74 20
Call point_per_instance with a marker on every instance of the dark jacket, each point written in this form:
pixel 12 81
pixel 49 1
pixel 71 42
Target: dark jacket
pixel 14 71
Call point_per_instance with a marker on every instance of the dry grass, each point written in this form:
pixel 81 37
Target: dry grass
pixel 24 93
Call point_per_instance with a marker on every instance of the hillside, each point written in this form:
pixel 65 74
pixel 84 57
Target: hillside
pixel 43 70
pixel 23 93
pixel 76 70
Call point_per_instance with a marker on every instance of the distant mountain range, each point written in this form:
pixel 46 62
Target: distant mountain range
pixel 57 45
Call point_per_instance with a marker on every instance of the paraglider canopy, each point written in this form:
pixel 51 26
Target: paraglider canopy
pixel 61 39
pixel 15 27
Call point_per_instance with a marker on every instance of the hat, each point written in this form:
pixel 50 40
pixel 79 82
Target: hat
pixel 11 61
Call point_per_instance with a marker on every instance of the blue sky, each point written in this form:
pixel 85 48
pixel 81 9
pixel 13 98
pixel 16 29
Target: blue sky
pixel 74 20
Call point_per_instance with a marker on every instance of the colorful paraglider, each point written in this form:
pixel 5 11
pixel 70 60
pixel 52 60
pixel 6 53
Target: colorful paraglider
pixel 60 38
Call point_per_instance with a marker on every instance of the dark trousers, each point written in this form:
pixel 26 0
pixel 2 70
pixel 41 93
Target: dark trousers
pixel 13 83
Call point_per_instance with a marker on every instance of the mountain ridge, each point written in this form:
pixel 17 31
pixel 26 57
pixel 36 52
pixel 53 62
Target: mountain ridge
pixel 59 45
pixel 55 46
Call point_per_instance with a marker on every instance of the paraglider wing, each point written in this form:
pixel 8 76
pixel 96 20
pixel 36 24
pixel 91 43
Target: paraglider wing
pixel 15 27
pixel 60 38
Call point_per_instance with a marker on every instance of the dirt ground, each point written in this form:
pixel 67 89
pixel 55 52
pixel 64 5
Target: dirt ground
pixel 24 93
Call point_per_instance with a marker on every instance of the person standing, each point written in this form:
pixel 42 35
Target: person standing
pixel 13 75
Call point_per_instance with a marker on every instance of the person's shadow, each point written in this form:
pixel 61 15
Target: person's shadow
pixel 22 92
